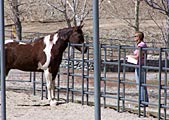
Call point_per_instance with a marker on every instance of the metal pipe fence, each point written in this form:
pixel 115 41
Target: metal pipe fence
pixel 117 88
pixel 75 80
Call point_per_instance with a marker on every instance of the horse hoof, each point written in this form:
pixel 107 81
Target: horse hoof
pixel 53 103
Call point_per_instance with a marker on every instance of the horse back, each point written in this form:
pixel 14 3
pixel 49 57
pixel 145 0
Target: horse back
pixel 23 56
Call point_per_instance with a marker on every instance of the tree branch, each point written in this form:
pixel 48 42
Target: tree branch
pixel 156 6
pixel 162 32
pixel 55 7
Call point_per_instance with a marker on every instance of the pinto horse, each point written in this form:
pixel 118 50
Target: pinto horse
pixel 43 54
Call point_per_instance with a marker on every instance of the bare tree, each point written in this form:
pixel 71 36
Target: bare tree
pixel 124 11
pixel 74 11
pixel 163 7
pixel 14 7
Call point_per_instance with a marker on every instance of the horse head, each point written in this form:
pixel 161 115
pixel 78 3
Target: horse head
pixel 77 37
pixel 74 35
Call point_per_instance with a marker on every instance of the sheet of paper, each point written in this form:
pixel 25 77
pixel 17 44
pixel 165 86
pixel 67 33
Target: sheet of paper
pixel 131 60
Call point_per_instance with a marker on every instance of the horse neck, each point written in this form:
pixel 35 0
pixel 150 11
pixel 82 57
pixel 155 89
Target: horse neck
pixel 64 46
pixel 63 39
pixel 60 46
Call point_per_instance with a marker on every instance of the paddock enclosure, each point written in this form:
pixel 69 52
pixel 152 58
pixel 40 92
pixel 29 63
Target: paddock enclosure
pixel 75 80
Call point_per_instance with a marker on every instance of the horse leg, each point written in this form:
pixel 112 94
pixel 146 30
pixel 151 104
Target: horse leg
pixel 50 87
pixel 53 89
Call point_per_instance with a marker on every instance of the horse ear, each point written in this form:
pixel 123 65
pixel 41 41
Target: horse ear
pixel 81 24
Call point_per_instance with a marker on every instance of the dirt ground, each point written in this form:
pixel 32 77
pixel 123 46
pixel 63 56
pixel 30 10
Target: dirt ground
pixel 23 105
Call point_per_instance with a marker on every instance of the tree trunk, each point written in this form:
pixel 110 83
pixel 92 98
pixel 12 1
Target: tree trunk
pixel 167 26
pixel 18 29
pixel 16 19
pixel 67 19
pixel 137 15
pixel 167 32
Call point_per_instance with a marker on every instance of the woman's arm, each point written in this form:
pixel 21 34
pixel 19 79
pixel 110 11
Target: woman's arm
pixel 135 55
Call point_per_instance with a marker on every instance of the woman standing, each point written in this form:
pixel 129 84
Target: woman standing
pixel 139 38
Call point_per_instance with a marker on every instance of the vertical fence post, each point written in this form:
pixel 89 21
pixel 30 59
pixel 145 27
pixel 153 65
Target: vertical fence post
pixel 73 72
pixel 82 92
pixel 96 59
pixel 119 80
pixel 87 79
pixel 34 83
pixel 140 83
pixel 145 77
pixel 68 74
pixel 159 83
pixel 124 77
pixel 2 59
pixel 105 70
pixel 165 84
pixel 42 84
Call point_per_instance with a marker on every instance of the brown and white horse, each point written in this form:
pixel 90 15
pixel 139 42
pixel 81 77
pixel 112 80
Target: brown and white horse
pixel 44 54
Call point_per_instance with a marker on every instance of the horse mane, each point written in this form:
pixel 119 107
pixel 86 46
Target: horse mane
pixel 65 31
pixel 61 32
